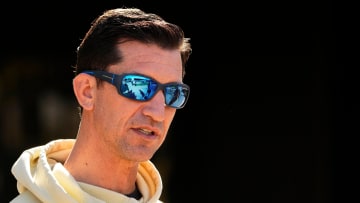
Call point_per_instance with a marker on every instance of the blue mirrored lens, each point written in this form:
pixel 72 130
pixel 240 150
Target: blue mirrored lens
pixel 138 87
pixel 175 95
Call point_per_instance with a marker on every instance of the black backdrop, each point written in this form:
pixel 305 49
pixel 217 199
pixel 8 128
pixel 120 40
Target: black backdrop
pixel 269 110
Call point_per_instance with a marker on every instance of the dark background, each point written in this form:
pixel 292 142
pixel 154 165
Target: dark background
pixel 271 109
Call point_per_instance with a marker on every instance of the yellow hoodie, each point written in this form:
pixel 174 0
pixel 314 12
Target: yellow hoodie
pixel 41 177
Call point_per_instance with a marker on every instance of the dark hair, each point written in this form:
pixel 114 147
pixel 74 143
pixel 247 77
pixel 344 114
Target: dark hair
pixel 98 49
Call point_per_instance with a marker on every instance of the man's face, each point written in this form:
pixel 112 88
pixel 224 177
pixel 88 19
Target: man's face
pixel 135 130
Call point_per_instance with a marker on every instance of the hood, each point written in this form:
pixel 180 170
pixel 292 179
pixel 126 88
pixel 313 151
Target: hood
pixel 41 177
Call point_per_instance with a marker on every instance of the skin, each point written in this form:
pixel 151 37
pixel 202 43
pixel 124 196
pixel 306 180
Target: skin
pixel 116 133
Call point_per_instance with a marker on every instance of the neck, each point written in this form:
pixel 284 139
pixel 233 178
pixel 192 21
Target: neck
pixel 92 167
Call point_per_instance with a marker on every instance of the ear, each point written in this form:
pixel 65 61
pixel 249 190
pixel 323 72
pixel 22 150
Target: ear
pixel 84 86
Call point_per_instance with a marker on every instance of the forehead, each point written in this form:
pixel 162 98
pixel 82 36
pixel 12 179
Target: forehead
pixel 149 59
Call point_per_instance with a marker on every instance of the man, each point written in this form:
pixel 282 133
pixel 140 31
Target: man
pixel 119 132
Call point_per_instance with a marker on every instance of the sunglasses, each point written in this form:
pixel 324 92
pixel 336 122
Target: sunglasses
pixel 142 88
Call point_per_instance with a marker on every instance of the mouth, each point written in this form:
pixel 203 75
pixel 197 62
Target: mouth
pixel 146 131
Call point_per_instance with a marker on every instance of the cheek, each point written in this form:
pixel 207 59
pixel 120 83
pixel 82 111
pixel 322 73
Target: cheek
pixel 169 117
pixel 107 104
pixel 112 105
pixel 112 115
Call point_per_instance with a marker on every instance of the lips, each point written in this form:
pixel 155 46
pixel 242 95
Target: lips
pixel 146 131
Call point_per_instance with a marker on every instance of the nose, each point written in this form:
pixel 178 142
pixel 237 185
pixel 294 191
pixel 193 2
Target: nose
pixel 155 107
